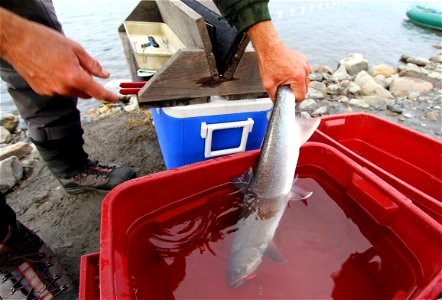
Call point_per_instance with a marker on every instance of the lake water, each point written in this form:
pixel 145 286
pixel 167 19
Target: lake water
pixel 324 31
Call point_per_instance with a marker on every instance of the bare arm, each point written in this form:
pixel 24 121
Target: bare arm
pixel 279 64
pixel 51 63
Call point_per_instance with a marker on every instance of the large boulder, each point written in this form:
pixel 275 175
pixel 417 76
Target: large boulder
pixel 369 86
pixel 340 74
pixel 403 86
pixel 354 63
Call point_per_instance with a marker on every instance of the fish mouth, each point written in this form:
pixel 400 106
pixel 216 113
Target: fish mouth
pixel 236 283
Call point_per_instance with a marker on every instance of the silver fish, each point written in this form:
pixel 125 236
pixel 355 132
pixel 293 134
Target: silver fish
pixel 267 193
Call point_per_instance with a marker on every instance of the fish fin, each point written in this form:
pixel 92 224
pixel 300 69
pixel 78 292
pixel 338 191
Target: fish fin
pixel 307 127
pixel 274 254
pixel 242 181
pixel 298 193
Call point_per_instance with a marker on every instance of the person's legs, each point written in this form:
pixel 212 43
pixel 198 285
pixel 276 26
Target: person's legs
pixel 27 264
pixel 54 121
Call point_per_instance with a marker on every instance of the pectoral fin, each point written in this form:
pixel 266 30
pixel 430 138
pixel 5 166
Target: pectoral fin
pixel 298 193
pixel 306 128
pixel 274 254
pixel 242 182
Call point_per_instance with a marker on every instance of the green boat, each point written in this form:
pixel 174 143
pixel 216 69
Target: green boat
pixel 425 16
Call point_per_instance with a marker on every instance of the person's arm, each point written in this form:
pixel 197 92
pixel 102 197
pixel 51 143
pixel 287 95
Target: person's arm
pixel 278 64
pixel 51 63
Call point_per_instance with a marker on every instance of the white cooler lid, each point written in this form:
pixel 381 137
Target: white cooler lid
pixel 219 107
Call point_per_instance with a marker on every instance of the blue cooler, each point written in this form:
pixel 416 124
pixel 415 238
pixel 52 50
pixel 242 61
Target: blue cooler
pixel 193 133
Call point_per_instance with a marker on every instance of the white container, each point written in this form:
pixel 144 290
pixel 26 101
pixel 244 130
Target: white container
pixel 149 57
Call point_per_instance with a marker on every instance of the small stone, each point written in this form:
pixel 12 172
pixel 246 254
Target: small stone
pixel 436 59
pixel 433 115
pixel 316 76
pixel 319 86
pixel 358 103
pixel 323 69
pixel 307 104
pixel 5 135
pixel 340 74
pixel 408 115
pixel 383 70
pixel 403 86
pixel 342 99
pixel 20 150
pixel 320 111
pixel 305 115
pixel 423 125
pixel 10 122
pixel 394 108
pixel 11 172
pixel 354 63
pixel 353 88
pixel 437 107
pixel 349 109
pixel 315 94
pixel 402 119
pixel 419 61
pixel 334 89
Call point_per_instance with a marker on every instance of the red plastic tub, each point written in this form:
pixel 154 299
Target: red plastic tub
pixel 89 287
pixel 356 236
pixel 408 160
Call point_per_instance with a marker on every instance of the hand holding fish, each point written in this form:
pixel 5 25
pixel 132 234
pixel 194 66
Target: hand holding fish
pixel 51 63
pixel 278 64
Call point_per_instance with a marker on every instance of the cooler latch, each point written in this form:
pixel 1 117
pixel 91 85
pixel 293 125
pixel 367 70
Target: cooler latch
pixel 207 133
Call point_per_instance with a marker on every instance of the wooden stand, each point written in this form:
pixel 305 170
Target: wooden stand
pixel 191 73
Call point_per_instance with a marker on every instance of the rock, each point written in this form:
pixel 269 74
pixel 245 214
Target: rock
pixel 20 150
pixel 408 115
pixel 411 70
pixel 403 86
pixel 384 70
pixel 340 74
pixel 316 76
pixel 320 111
pixel 353 88
pixel 419 61
pixel 307 104
pixel 323 69
pixel 11 172
pixel 437 46
pixel 10 122
pixel 354 63
pixel 342 99
pixel 433 115
pixel 319 86
pixel 335 89
pixel 404 57
pixel 358 103
pixel 382 81
pixel 305 115
pixel 378 101
pixel 5 135
pixel 436 59
pixel 369 86
pixel 394 108
pixel 437 107
pixel 314 94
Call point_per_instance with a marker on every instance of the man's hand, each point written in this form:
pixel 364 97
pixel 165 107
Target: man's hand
pixel 279 64
pixel 51 63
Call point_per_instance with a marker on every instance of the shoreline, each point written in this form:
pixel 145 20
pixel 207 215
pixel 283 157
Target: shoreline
pixel 408 95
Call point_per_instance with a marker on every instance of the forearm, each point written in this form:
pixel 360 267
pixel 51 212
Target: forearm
pixel 265 39
pixel 12 28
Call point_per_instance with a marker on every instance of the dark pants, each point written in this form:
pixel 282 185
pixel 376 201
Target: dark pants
pixel 53 122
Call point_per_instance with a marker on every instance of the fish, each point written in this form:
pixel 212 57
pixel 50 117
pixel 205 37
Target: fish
pixel 268 189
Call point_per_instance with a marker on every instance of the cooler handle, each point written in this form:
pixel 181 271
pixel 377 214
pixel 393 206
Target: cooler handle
pixel 207 133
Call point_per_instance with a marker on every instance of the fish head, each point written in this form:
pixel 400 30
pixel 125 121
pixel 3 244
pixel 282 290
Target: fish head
pixel 243 264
